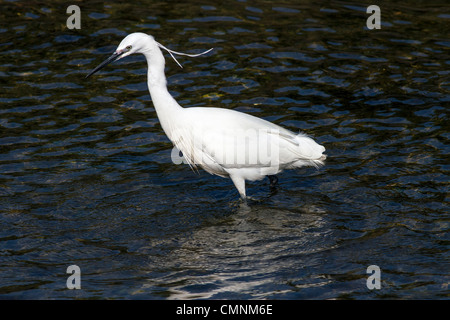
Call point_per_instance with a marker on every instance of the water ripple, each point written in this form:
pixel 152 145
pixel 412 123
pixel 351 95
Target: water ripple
pixel 86 175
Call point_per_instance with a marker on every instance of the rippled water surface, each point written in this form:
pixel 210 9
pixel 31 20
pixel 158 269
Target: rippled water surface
pixel 86 176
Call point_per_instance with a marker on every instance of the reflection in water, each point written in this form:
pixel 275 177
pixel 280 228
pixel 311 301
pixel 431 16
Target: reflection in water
pixel 244 254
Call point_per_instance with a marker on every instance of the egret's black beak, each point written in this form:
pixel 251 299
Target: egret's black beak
pixel 115 56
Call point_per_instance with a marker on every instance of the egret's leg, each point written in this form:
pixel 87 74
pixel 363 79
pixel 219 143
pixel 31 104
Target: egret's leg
pixel 239 183
pixel 273 180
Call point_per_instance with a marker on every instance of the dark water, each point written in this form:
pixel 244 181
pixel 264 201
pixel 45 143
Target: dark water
pixel 86 176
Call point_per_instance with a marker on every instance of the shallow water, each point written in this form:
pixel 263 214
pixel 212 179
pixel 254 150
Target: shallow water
pixel 86 176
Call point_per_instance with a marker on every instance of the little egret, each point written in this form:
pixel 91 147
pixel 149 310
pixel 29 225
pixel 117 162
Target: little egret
pixel 223 142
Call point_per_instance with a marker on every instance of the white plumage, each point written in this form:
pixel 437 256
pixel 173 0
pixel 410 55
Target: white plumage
pixel 223 142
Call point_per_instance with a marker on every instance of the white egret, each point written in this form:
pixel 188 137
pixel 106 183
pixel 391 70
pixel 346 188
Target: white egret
pixel 223 142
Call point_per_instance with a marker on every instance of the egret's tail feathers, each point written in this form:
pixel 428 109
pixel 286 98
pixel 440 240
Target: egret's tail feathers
pixel 307 163
pixel 319 162
pixel 309 152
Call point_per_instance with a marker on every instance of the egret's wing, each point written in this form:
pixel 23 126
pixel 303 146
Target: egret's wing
pixel 222 139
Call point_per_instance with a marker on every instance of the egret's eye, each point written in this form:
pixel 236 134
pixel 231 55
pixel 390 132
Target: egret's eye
pixel 128 47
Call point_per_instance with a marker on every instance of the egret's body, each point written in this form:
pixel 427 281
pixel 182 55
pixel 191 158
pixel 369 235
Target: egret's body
pixel 223 142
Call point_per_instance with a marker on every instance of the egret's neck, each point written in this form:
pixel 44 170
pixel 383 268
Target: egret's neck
pixel 165 105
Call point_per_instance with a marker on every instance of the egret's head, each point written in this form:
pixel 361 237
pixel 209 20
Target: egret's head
pixel 136 42
pixel 132 43
pixel 139 42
